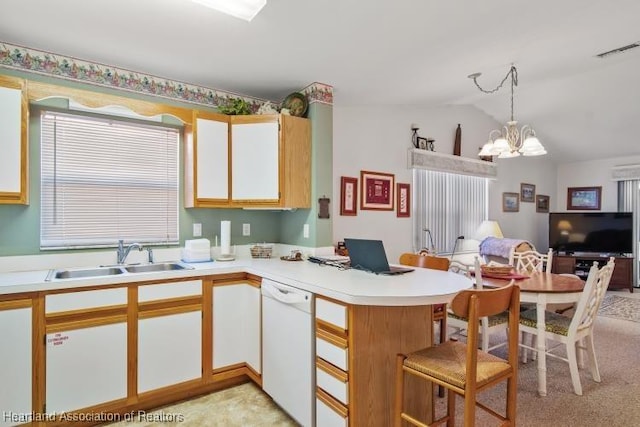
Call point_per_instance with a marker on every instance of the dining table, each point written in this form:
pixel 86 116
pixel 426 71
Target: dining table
pixel 541 288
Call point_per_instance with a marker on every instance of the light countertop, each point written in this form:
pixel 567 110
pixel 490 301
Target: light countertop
pixel 420 287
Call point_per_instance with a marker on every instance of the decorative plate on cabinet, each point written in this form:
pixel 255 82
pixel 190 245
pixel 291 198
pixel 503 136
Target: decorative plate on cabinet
pixel 296 103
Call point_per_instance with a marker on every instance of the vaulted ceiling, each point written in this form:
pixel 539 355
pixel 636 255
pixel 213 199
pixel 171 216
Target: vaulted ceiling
pixel 382 52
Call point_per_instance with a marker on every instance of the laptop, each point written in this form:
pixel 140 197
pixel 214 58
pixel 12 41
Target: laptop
pixel 369 255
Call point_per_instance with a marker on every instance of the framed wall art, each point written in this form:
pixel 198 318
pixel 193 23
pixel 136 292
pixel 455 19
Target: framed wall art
pixel 527 193
pixel 403 202
pixel 542 203
pixel 376 190
pixel 510 202
pixel 584 198
pixel 348 196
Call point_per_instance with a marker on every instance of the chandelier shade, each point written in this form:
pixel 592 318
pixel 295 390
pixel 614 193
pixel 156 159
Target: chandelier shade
pixel 510 141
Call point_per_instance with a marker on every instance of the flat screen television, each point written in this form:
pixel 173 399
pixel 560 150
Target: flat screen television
pixel 591 232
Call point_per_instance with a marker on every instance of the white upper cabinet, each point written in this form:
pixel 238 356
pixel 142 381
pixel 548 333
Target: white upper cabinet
pixel 248 161
pixel 255 159
pixel 13 140
pixel 212 145
pixel 207 161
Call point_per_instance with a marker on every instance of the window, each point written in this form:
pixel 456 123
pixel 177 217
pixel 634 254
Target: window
pixel 104 179
pixel 449 205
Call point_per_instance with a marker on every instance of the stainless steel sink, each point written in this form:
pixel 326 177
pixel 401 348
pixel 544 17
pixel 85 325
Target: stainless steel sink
pixel 87 272
pixel 112 270
pixel 148 268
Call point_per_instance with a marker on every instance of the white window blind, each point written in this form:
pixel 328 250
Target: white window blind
pixel 105 179
pixel 449 205
pixel 629 201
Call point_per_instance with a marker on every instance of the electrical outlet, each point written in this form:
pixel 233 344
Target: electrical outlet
pixel 305 231
pixel 246 229
pixel 197 230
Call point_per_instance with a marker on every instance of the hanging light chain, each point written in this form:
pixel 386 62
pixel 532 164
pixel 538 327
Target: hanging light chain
pixel 513 73
pixel 514 80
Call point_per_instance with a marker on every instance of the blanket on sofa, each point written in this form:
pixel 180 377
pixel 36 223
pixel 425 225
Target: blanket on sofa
pixel 494 246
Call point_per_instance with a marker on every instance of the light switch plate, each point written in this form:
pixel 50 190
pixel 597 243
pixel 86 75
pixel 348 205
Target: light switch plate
pixel 246 229
pixel 305 231
pixel 197 230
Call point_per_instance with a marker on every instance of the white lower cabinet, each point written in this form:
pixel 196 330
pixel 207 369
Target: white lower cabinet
pixel 332 364
pixel 170 335
pixel 86 367
pixel 236 326
pixel 15 362
pixel 169 350
pixel 328 417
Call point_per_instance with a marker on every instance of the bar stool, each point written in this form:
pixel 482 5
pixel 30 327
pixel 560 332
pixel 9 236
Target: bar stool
pixel 463 369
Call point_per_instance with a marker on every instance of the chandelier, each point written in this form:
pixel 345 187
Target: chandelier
pixel 510 141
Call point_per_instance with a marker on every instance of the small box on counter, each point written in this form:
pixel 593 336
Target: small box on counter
pixel 197 250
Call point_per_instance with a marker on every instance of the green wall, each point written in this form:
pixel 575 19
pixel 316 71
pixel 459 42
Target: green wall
pixel 20 225
pixel 292 223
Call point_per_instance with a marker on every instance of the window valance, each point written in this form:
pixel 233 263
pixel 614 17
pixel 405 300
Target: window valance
pixel 430 160
pixel 625 172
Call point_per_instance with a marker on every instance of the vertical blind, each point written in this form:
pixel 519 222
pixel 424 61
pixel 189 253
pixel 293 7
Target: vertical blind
pixel 629 201
pixel 105 179
pixel 449 205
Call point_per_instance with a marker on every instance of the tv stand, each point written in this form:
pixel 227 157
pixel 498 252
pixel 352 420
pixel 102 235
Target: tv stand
pixel 580 263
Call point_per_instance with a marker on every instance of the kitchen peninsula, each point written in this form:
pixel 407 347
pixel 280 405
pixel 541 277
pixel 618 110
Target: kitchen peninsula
pixel 361 321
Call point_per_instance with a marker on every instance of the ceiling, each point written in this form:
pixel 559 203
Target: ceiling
pixel 383 52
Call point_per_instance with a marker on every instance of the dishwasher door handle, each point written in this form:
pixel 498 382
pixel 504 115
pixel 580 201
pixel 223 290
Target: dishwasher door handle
pixel 284 296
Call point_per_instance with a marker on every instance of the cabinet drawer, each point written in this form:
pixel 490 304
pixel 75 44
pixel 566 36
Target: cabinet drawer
pixel 169 290
pixel 333 350
pixel 333 313
pixel 330 413
pixel 85 299
pixel 327 381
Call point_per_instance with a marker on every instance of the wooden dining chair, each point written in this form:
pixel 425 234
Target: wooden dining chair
pixel 574 334
pixel 462 368
pixel 531 260
pixel 438 311
pixel 487 325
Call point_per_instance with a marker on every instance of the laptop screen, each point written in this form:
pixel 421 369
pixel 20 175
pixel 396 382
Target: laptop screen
pixel 367 255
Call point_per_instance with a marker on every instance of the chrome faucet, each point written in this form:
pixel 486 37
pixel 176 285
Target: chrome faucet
pixel 124 251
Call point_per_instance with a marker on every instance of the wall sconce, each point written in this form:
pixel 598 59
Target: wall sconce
pixel 420 142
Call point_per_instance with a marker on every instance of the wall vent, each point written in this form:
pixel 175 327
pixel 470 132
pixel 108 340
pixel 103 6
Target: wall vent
pixel 618 50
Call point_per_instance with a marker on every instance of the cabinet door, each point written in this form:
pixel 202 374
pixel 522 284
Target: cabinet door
pixel 564 265
pixel 236 326
pixel 169 350
pixel 622 276
pixel 13 136
pixel 86 367
pixel 255 158
pixel 169 334
pixel 211 140
pixel 15 354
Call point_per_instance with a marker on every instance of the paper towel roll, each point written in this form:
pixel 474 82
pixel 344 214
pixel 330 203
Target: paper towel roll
pixel 225 237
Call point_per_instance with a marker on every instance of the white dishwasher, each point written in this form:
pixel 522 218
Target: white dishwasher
pixel 287 349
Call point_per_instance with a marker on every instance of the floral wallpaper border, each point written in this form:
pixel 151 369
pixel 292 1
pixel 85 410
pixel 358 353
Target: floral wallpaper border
pixel 50 64
pixel 319 92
